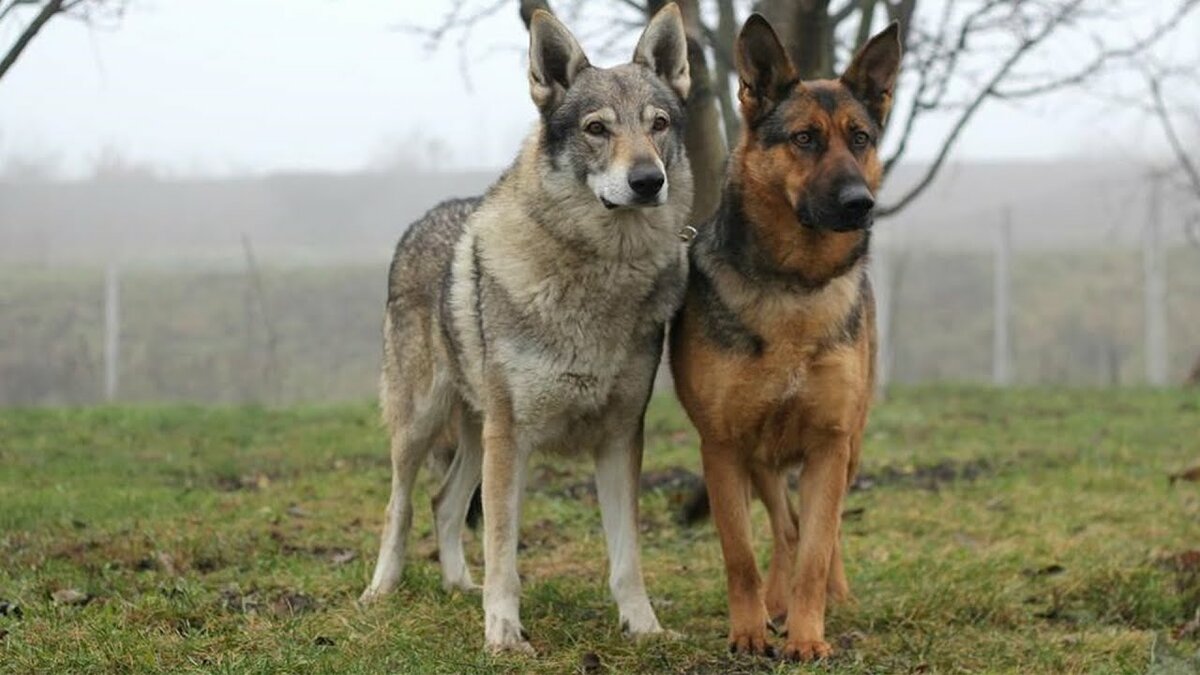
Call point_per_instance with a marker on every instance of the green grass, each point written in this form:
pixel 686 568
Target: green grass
pixel 216 540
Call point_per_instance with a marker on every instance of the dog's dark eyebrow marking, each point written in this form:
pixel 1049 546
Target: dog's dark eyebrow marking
pixel 829 100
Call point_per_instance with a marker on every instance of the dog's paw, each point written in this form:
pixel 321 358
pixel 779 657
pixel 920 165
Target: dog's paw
pixel 752 642
pixel 807 650
pixel 646 626
pixel 649 631
pixel 462 586
pixel 371 595
pixel 507 635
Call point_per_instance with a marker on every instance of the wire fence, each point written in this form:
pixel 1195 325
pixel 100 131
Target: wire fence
pixel 238 333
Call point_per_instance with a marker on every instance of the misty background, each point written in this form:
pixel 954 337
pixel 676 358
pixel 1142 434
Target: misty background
pixel 198 200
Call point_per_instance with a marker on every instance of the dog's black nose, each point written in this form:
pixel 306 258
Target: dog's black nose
pixel 646 180
pixel 856 198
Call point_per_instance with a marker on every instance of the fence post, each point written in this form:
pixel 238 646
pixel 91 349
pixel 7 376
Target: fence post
pixel 1002 356
pixel 1154 265
pixel 112 331
pixel 883 321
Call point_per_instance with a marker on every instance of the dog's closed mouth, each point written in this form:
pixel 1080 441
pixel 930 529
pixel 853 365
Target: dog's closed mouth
pixel 634 205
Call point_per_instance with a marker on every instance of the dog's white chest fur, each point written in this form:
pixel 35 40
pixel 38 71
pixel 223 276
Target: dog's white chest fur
pixel 562 327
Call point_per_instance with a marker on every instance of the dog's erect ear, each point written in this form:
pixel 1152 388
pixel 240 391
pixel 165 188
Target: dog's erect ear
pixel 871 76
pixel 663 49
pixel 555 60
pixel 766 75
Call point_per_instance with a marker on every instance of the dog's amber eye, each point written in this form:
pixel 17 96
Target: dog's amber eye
pixel 802 139
pixel 660 124
pixel 595 128
pixel 861 138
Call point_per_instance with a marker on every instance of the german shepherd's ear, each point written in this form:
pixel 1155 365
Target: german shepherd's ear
pixel 871 76
pixel 555 60
pixel 766 75
pixel 663 49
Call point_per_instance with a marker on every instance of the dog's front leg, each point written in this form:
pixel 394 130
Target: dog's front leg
pixel 726 477
pixel 822 490
pixel 504 462
pixel 618 468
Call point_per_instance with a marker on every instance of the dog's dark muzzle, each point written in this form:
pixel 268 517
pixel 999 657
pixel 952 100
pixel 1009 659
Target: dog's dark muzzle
pixel 852 210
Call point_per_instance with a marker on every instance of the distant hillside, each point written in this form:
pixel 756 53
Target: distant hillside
pixel 322 218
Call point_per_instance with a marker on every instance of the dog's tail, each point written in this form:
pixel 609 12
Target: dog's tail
pixel 475 510
pixel 695 509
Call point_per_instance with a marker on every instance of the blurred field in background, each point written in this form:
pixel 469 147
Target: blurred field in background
pixel 191 334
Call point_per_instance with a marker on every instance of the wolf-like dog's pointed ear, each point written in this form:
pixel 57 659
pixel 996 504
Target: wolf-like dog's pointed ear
pixel 555 59
pixel 871 76
pixel 765 73
pixel 663 49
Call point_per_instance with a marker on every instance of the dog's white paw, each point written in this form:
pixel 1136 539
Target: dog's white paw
pixel 461 585
pixel 506 635
pixel 644 627
pixel 372 595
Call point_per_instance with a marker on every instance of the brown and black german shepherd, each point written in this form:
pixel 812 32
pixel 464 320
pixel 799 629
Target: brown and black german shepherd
pixel 773 350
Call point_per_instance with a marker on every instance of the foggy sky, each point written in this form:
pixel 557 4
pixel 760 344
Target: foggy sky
pixel 233 86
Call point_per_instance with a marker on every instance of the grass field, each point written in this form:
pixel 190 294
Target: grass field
pixel 1022 531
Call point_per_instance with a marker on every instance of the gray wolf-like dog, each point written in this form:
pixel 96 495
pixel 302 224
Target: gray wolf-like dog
pixel 533 317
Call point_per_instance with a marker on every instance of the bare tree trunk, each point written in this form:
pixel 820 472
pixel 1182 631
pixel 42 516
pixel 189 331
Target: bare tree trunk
pixel 804 27
pixel 705 144
pixel 722 44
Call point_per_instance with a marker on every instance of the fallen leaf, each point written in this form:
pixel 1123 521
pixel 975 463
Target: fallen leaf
pixel 342 556
pixel 1190 474
pixel 1184 561
pixel 70 596
pixel 1048 570
pixel 1188 629
pixel 289 603
pixel 590 663
pixel 166 563
pixel 848 640
pixel 297 512
pixel 322 641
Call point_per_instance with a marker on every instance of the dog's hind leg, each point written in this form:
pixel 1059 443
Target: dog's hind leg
pixel 416 405
pixel 618 468
pixel 771 486
pixel 408 451
pixel 452 501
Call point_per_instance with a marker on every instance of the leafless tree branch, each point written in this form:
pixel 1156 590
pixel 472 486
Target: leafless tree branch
pixel 43 16
pixel 1177 148
pixel 1104 57
pixel 1065 13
